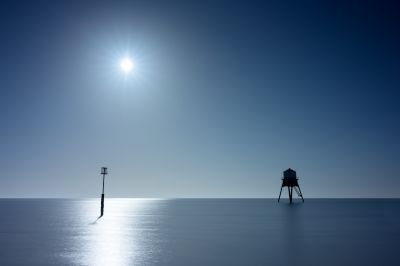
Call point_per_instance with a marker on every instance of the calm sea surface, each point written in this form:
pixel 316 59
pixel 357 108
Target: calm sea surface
pixel 199 232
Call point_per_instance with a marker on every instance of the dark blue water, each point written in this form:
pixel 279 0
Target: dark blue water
pixel 199 232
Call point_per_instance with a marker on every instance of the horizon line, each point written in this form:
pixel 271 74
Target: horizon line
pixel 177 198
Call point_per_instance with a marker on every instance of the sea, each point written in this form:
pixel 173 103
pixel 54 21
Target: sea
pixel 184 232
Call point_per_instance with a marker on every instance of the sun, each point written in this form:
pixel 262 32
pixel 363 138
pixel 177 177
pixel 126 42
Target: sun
pixel 126 65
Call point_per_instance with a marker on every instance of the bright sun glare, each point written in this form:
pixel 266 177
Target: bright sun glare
pixel 126 65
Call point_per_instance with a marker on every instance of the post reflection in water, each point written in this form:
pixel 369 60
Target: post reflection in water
pixel 123 236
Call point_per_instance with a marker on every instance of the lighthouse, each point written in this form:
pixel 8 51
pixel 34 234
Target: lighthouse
pixel 290 180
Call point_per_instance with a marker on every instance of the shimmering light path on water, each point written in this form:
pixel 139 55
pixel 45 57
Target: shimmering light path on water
pixel 199 232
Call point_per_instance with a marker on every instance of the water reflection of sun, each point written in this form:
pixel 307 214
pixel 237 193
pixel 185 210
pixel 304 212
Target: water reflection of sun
pixel 114 238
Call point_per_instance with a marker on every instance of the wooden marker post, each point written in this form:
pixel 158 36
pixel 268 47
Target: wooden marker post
pixel 103 172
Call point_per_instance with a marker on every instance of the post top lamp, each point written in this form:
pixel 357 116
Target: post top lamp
pixel 104 171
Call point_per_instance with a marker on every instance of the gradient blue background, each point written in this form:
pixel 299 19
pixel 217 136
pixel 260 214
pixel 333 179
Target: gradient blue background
pixel 225 96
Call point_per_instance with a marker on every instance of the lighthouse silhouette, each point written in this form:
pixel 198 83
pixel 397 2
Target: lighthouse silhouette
pixel 290 180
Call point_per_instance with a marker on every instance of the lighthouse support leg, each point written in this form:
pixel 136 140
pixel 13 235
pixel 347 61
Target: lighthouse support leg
pixel 280 194
pixel 301 194
pixel 290 194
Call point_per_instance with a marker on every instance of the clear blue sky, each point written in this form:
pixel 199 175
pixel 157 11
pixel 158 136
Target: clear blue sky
pixel 225 96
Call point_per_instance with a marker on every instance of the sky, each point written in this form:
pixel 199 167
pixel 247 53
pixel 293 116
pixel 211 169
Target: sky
pixel 224 96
